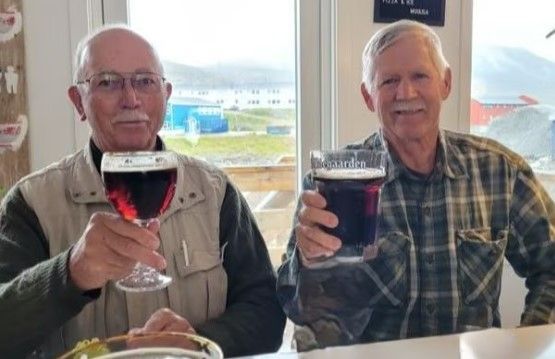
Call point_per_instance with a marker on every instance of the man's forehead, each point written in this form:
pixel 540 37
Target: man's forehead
pixel 407 38
pixel 420 54
pixel 119 52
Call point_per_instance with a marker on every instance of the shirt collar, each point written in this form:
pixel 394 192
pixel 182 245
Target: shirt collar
pixel 449 160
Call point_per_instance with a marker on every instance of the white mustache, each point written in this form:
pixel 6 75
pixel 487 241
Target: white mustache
pixel 413 105
pixel 133 116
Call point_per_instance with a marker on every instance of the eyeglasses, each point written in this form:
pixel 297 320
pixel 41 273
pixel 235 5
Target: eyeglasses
pixel 112 82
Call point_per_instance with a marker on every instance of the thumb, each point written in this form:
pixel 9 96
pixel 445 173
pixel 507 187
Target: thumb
pixel 154 225
pixel 135 331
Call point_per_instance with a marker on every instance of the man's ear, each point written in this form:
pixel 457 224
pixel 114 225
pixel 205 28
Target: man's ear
pixel 75 97
pixel 368 100
pixel 169 88
pixel 446 84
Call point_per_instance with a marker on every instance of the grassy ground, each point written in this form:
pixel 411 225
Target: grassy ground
pixel 222 145
pixel 242 144
pixel 258 119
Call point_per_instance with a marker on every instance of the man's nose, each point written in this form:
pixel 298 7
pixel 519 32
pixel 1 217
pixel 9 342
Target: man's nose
pixel 406 90
pixel 129 96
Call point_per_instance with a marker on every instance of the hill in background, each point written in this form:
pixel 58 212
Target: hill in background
pixel 511 72
pixel 225 76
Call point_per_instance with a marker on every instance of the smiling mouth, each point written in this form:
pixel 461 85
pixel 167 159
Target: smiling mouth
pixel 408 112
pixel 131 122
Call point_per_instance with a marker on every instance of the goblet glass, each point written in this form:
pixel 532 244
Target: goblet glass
pixel 140 187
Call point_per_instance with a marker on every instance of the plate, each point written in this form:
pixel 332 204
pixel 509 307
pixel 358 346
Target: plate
pixel 158 345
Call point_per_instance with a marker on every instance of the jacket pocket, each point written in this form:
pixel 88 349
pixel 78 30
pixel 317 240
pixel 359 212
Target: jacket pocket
pixel 201 261
pixel 480 254
pixel 206 275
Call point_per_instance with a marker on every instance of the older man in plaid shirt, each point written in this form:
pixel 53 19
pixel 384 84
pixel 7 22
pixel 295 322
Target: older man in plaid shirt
pixel 453 207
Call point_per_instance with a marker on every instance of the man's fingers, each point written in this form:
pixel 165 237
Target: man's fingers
pixel 314 243
pixel 154 225
pixel 180 326
pixel 313 199
pixel 128 248
pixel 143 236
pixel 135 331
pixel 160 320
pixel 138 253
pixel 309 216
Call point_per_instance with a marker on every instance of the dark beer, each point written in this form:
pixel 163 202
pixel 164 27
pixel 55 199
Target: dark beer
pixel 140 194
pixel 353 196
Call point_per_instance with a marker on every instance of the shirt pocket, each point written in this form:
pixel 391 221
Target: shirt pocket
pixel 206 275
pixel 480 254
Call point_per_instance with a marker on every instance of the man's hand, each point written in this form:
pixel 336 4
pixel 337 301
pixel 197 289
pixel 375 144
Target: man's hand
pixel 313 243
pixel 164 320
pixel 109 249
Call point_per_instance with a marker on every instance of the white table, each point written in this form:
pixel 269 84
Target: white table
pixel 526 343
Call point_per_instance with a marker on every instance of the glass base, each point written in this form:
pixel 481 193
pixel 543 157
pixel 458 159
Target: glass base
pixel 143 279
pixel 348 255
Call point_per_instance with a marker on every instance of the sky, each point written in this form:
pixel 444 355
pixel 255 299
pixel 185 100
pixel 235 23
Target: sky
pixel 263 31
pixel 219 31
pixel 516 23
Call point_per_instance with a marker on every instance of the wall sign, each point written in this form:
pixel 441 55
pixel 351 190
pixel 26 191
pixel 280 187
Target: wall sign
pixel 431 12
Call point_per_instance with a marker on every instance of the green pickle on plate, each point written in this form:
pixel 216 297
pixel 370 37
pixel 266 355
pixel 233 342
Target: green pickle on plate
pixel 90 349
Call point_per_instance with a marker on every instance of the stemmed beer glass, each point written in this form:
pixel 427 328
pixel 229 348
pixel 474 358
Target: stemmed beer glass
pixel 140 187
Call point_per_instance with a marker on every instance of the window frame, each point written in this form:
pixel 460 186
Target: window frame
pixel 314 84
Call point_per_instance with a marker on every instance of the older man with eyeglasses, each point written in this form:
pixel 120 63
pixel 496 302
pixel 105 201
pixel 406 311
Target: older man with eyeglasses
pixel 61 245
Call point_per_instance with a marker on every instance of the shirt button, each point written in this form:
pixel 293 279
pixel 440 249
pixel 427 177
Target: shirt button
pixel 427 210
pixel 430 308
pixel 430 259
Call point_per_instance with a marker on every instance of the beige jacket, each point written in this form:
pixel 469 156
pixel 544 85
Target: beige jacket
pixel 66 194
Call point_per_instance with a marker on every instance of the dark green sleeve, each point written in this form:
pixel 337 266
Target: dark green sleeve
pixel 253 321
pixel 36 296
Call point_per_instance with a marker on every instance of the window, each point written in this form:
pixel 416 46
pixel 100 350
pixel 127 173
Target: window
pixel 513 77
pixel 218 57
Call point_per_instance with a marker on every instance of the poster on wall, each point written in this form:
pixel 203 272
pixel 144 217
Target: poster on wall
pixel 431 12
pixel 14 124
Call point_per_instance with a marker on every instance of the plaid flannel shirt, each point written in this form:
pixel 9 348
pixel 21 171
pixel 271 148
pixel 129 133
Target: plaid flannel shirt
pixel 442 241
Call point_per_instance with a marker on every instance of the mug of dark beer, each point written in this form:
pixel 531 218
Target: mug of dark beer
pixel 351 182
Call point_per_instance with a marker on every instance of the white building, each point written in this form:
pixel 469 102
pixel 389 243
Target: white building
pixel 245 97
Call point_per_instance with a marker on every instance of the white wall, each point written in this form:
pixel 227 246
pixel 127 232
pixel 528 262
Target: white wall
pixel 51 29
pixel 354 28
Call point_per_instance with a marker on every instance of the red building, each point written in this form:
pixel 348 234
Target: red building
pixel 483 110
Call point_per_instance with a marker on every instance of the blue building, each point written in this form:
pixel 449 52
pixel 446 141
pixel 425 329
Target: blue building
pixel 194 115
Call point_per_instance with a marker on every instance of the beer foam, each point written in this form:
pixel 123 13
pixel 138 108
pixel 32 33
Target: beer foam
pixel 138 163
pixel 348 173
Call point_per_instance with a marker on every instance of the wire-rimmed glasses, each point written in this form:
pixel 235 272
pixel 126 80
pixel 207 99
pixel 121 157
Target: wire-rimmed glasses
pixel 111 82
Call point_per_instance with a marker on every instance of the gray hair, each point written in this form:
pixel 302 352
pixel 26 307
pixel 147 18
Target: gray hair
pixel 388 35
pixel 81 52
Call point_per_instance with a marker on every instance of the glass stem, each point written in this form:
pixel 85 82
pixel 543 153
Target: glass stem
pixel 141 222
